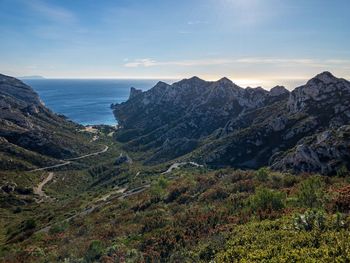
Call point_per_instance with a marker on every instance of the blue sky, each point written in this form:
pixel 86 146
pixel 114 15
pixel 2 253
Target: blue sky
pixel 253 42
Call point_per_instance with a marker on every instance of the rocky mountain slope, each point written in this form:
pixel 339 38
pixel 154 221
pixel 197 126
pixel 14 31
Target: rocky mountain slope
pixel 221 124
pixel 30 134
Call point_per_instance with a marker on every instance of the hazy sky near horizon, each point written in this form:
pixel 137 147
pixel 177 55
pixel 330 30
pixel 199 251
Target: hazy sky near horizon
pixel 253 42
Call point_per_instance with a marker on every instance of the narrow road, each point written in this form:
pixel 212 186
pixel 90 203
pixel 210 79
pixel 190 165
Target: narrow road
pixel 68 161
pixel 39 189
pixel 50 167
pixel 88 155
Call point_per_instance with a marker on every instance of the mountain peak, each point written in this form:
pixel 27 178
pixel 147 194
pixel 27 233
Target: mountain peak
pixel 325 77
pixel 195 78
pixel 192 81
pixel 134 92
pixel 319 92
pixel 278 90
pixel 161 84
pixel 225 80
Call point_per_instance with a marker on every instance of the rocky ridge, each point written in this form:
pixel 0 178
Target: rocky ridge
pixel 221 124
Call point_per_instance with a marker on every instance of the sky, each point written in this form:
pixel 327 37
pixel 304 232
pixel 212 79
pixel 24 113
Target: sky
pixel 252 42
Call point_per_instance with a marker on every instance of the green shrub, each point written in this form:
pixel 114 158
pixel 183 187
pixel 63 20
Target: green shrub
pixel 266 199
pixel 94 252
pixel 339 221
pixel 342 171
pixel 29 224
pixel 290 180
pixel 262 174
pixel 206 252
pixel 158 187
pixel 310 220
pixel 133 255
pixel 17 210
pixel 277 180
pixel 311 193
pixel 58 228
pixel 162 182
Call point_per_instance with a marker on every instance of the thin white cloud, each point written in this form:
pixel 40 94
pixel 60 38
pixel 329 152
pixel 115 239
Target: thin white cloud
pixel 148 62
pixel 197 22
pixel 51 12
pixel 141 63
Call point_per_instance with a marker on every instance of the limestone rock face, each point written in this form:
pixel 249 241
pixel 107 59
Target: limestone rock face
pixel 278 91
pixel 222 124
pixel 324 90
pixel 322 153
pixel 134 92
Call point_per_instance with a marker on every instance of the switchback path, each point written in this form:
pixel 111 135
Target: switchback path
pixel 39 189
pixel 69 161
pixel 50 167
pixel 88 155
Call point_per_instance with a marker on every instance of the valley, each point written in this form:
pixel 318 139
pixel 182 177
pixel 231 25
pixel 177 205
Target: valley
pixel 196 171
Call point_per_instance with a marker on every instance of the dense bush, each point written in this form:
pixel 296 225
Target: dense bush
pixel 265 199
pixel 262 174
pixel 310 220
pixel 58 228
pixel 274 241
pixel 94 252
pixel 29 224
pixel 196 217
pixel 342 171
pixel 158 188
pixel 311 192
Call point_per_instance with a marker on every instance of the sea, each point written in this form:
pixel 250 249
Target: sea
pixel 86 101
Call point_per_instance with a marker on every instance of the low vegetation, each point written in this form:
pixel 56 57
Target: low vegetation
pixel 188 215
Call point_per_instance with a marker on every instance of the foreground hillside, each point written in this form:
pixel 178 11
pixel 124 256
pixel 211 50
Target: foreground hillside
pixel 192 215
pixel 152 190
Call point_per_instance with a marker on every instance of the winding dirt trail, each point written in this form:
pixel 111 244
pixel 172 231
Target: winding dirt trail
pixel 69 161
pixel 39 189
pixel 88 155
pixel 50 167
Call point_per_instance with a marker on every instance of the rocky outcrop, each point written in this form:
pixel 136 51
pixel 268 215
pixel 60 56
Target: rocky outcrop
pixel 278 91
pixel 134 92
pixel 324 93
pixel 123 158
pixel 324 153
